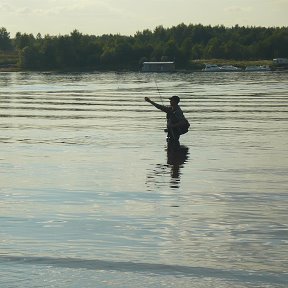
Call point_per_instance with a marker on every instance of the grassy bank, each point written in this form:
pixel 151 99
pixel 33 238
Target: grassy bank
pixel 8 61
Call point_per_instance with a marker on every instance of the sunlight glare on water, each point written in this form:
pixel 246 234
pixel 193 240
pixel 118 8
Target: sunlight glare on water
pixel 90 196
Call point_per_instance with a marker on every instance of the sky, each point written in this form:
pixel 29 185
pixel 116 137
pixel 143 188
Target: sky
pixel 126 17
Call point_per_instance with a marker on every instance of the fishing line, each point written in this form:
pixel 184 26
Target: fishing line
pixel 158 91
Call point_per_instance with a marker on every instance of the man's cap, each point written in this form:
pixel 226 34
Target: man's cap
pixel 175 98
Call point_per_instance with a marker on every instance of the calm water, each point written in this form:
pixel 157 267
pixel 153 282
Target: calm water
pixel 89 196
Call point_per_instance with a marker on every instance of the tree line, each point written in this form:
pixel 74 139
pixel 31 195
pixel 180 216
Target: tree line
pixel 181 43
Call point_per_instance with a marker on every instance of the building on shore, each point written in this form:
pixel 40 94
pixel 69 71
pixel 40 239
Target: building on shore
pixel 158 67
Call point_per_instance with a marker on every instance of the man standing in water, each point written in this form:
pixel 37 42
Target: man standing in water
pixel 176 122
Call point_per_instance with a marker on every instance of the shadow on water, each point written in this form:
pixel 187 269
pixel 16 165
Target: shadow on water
pixel 177 156
pixel 151 268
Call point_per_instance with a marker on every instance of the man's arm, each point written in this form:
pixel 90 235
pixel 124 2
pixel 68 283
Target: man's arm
pixel 158 106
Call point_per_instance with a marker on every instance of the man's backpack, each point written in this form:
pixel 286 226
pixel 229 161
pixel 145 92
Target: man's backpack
pixel 183 129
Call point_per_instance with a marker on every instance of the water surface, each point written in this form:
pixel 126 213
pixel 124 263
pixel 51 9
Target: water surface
pixel 90 196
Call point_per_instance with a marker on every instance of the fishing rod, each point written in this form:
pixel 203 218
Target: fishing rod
pixel 158 91
pixel 168 129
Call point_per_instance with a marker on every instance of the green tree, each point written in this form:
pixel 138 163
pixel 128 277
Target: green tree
pixel 29 58
pixel 5 41
pixel 49 53
pixel 197 51
pixel 107 57
pixel 181 43
pixel 66 54
pixel 213 49
pixel 170 50
pixel 24 40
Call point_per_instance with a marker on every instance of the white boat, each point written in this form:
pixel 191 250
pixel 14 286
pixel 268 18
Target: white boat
pixel 257 68
pixel 211 68
pixel 280 61
pixel 216 68
pixel 230 68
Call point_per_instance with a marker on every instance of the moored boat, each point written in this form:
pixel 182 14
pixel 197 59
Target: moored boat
pixel 224 68
pixel 211 68
pixel 258 68
pixel 230 68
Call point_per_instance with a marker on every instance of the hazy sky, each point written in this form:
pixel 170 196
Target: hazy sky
pixel 126 17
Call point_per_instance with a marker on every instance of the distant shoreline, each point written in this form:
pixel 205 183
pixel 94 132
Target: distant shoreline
pixel 194 66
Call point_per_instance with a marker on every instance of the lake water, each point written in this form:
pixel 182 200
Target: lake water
pixel 89 196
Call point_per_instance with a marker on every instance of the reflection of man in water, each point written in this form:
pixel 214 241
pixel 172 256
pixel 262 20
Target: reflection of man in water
pixel 175 159
pixel 175 118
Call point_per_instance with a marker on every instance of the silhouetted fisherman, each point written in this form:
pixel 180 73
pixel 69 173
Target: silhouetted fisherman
pixel 177 124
